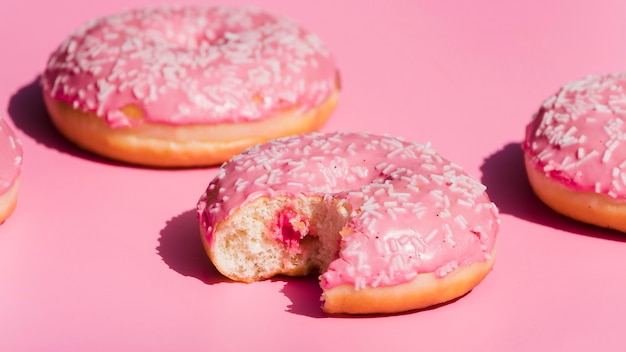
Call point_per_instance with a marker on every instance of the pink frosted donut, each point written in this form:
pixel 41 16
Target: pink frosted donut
pixel 188 86
pixel 10 169
pixel 574 156
pixel 391 225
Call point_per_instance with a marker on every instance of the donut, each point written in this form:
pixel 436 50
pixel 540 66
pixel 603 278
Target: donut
pixel 10 169
pixel 187 86
pixel 575 154
pixel 389 225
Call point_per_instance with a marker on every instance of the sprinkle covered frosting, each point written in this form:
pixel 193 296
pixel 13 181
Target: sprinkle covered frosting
pixel 190 65
pixel 10 156
pixel 576 136
pixel 412 211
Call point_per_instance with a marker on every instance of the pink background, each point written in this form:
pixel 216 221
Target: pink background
pixel 101 257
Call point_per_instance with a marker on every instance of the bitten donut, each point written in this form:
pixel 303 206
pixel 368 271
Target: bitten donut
pixel 10 169
pixel 390 225
pixel 188 86
pixel 575 154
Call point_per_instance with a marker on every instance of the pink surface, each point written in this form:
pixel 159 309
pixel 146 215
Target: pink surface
pixel 99 256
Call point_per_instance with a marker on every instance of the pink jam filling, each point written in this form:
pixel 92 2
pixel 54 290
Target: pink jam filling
pixel 190 65
pixel 576 136
pixel 285 232
pixel 412 210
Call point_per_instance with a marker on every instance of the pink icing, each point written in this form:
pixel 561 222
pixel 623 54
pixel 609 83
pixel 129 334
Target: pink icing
pixel 190 65
pixel 413 211
pixel 576 136
pixel 10 156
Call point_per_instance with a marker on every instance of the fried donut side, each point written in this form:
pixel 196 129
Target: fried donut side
pixel 168 146
pixel 589 207
pixel 574 151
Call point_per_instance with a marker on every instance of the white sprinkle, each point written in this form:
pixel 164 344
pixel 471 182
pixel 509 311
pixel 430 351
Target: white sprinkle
pixel 398 194
pixel 544 154
pixel 413 188
pixel 431 235
pixel 370 209
pixel 399 210
pixel 587 157
pixel 395 152
pixel 437 178
pixel 445 213
pixel 449 234
pixel 446 201
pixel 423 179
pixel 261 179
pixel 622 176
pixel 616 185
pixel 460 219
pixel 416 241
pixel 465 203
pixel 393 244
pixel 387 170
pixel 240 184
pixel 437 193
pixel 606 155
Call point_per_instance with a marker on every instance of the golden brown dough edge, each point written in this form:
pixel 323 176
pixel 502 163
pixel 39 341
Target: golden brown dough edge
pixel 424 291
pixel 168 146
pixel 8 201
pixel 592 208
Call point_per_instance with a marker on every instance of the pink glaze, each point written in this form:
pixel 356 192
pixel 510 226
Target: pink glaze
pixel 576 136
pixel 10 157
pixel 190 65
pixel 413 211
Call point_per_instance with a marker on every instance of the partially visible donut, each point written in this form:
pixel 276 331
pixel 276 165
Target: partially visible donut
pixel 10 169
pixel 575 151
pixel 188 86
pixel 391 225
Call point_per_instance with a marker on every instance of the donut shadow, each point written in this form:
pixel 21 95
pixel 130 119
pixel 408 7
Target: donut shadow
pixel 504 174
pixel 304 294
pixel 29 114
pixel 181 249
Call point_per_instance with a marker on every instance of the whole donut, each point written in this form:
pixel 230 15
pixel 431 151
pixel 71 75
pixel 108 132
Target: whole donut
pixel 10 169
pixel 390 224
pixel 575 154
pixel 188 86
